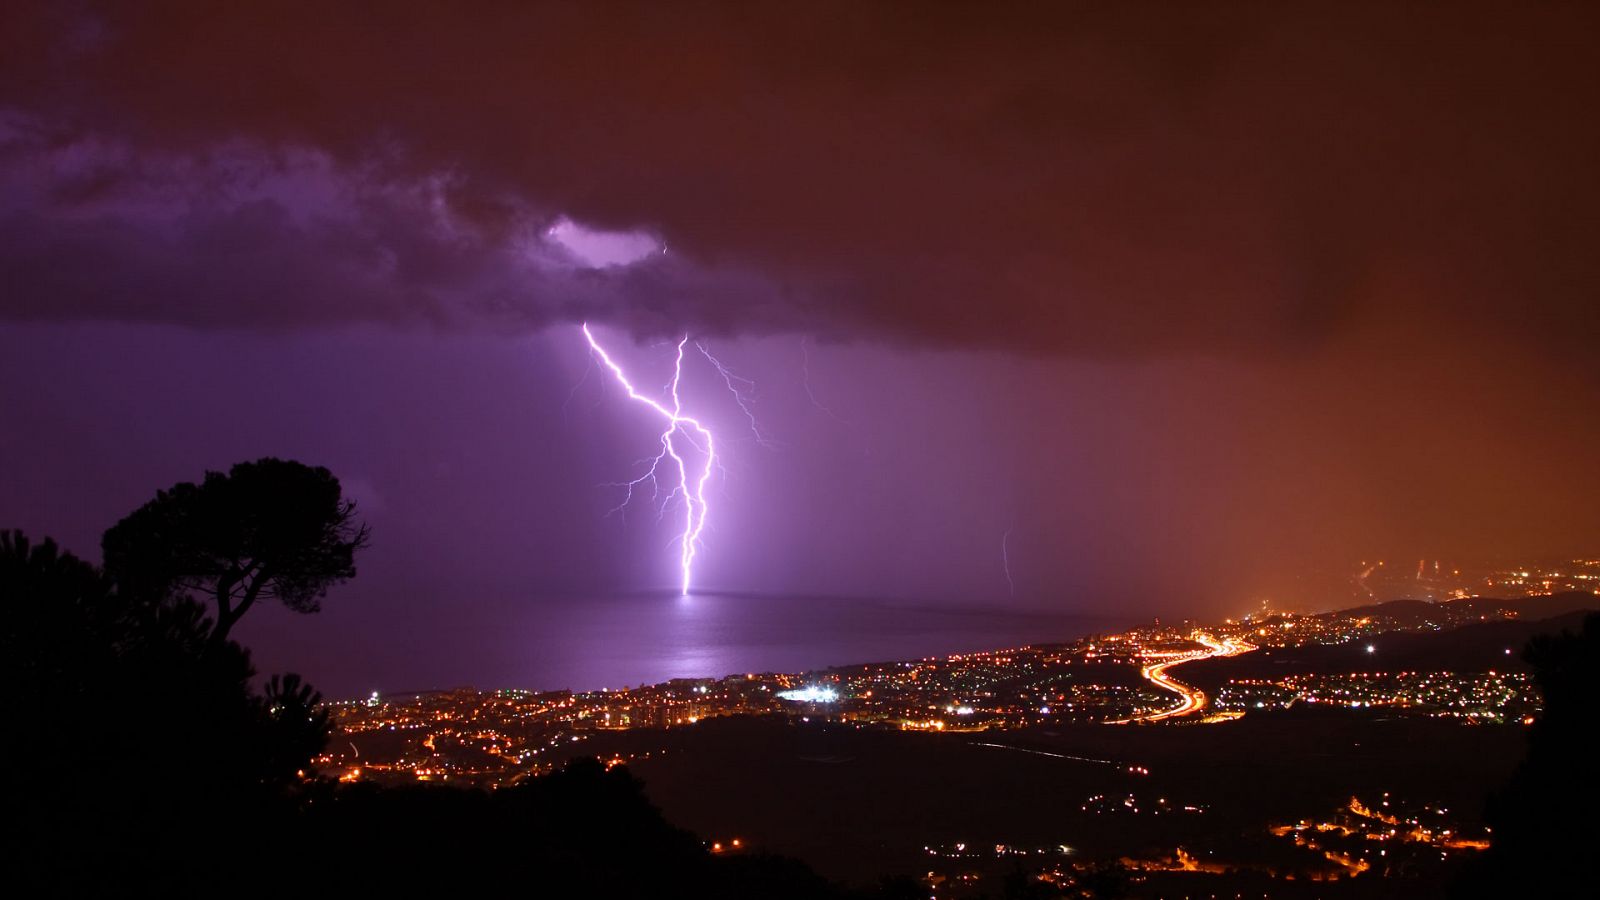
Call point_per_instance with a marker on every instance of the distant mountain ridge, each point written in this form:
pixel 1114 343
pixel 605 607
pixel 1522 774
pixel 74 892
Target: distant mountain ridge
pixel 1494 644
pixel 1418 612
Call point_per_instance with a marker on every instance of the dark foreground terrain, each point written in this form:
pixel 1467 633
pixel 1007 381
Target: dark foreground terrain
pixel 858 804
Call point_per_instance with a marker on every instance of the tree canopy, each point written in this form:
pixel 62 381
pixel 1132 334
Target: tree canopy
pixel 270 529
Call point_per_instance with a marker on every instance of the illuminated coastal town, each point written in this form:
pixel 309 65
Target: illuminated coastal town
pixel 1135 677
pixel 1099 703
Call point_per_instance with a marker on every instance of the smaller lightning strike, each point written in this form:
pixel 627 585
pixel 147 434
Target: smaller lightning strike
pixel 805 373
pixel 1005 559
pixel 1361 581
pixel 679 427
pixel 574 392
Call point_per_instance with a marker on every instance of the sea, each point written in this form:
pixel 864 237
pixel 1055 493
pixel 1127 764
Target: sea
pixel 623 641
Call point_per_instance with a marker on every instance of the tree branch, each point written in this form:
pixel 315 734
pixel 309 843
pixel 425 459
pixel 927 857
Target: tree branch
pixel 262 576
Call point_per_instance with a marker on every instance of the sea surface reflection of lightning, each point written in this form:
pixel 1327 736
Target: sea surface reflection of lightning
pixel 683 434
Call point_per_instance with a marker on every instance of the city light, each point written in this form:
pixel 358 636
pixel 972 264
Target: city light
pixel 811 694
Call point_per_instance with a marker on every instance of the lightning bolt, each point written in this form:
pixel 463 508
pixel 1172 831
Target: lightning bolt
pixel 691 488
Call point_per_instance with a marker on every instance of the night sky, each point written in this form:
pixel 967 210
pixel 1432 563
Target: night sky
pixel 1200 304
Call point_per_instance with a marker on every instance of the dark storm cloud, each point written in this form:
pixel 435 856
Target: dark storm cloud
pixel 1107 178
pixel 246 238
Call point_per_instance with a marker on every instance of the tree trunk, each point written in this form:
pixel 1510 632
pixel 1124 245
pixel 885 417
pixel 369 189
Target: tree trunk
pixel 225 616
pixel 226 619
